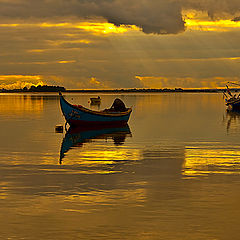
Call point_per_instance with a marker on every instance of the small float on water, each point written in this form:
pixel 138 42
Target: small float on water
pixel 95 101
pixel 232 100
pixel 77 115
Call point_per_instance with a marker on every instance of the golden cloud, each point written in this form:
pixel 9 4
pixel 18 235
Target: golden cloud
pixel 185 82
pixel 106 28
pixel 153 82
pixel 20 81
pixel 94 83
pixel 103 28
pixel 200 21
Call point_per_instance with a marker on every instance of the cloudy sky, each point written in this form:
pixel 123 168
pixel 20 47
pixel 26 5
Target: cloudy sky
pixel 98 44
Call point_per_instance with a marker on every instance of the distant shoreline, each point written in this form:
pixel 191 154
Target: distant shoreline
pixel 51 89
pixel 150 90
pixel 165 90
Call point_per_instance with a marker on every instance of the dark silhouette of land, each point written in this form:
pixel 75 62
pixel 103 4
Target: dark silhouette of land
pixel 151 90
pixel 39 88
pixel 46 88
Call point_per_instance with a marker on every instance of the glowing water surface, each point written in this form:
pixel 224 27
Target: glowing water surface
pixel 172 173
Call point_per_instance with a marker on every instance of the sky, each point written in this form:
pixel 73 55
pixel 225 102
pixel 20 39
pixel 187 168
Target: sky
pixel 112 44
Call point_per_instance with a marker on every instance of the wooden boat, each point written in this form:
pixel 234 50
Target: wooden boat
pixel 77 115
pixel 232 101
pixel 233 104
pixel 95 101
pixel 76 137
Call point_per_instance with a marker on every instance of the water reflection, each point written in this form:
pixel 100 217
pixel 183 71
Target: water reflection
pixel 21 104
pixel 76 137
pixel 177 178
pixel 232 119
pixel 204 159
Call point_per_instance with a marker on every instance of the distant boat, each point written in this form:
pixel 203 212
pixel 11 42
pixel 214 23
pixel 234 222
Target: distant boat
pixel 77 115
pixel 232 101
pixel 75 137
pixel 95 101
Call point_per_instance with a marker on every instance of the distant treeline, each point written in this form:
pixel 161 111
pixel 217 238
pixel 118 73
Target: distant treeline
pixel 39 88
pixel 152 90
pixel 46 88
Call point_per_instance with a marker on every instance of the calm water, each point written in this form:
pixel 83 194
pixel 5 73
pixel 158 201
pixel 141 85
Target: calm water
pixel 173 174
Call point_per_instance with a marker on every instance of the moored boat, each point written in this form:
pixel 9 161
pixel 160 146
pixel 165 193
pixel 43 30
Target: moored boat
pixel 232 101
pixel 77 115
pixel 233 104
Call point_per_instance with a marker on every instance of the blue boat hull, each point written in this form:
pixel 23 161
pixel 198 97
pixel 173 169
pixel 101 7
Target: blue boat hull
pixel 80 116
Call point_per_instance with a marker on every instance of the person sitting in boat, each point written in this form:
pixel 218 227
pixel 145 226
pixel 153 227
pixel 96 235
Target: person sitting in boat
pixel 117 106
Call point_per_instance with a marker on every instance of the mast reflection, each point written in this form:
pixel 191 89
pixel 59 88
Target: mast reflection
pixel 76 137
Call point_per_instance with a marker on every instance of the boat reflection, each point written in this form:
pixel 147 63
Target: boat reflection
pixel 75 137
pixel 233 119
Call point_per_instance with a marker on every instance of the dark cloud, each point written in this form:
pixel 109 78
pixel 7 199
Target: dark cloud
pixel 215 8
pixel 152 16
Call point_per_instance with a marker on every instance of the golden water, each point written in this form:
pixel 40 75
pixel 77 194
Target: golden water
pixel 174 174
